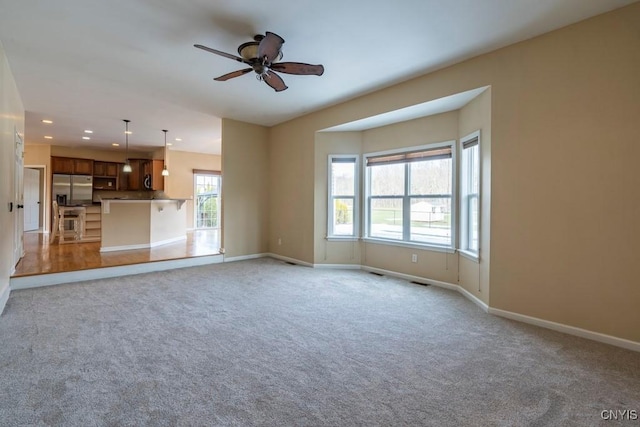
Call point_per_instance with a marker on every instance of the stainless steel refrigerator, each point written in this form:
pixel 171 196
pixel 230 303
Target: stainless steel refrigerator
pixel 72 189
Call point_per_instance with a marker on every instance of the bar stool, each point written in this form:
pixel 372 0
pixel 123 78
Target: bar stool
pixel 60 215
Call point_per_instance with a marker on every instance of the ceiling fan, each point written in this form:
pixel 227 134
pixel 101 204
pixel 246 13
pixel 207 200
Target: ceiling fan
pixel 262 55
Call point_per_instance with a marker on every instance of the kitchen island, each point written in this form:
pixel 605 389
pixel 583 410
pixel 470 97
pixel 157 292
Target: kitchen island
pixel 142 223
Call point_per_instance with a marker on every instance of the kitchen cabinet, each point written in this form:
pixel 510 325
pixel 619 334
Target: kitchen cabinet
pixel 105 175
pixel 153 172
pixel 105 169
pixel 92 224
pixel 123 178
pixel 62 165
pixel 134 178
pixel 71 166
pixel 145 175
pixel 82 167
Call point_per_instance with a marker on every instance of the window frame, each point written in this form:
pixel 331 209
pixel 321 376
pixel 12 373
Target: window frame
pixel 407 196
pixel 466 196
pixel 356 198
pixel 207 173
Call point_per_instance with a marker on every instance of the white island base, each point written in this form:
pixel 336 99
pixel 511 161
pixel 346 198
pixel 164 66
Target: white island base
pixel 141 224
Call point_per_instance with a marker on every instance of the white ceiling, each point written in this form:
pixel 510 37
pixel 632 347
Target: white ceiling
pixel 88 64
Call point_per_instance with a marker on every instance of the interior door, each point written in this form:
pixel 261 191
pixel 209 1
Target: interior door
pixel 18 224
pixel 31 199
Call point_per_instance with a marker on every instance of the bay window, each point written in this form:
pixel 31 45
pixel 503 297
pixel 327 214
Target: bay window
pixel 410 195
pixel 470 195
pixel 343 201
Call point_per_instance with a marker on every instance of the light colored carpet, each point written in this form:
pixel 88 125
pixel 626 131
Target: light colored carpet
pixel 263 342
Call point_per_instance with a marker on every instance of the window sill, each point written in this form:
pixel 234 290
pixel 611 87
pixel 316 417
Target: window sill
pixel 410 245
pixel 342 239
pixel 470 255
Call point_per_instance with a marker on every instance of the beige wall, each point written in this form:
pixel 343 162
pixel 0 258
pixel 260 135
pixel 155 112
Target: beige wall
pixel 11 119
pixel 473 275
pixel 332 252
pixel 291 179
pixel 245 188
pixel 179 183
pixel 136 216
pixel 564 149
pixel 143 224
pixel 168 221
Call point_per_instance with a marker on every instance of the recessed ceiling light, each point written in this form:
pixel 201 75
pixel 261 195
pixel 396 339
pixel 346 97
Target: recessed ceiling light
pixel 128 132
pixel 88 131
pixel 178 139
pixel 47 121
pixel 168 143
pixel 115 144
pixel 85 137
pixel 48 137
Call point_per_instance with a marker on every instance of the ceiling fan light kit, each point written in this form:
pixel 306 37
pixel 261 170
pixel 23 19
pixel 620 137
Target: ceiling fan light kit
pixel 262 55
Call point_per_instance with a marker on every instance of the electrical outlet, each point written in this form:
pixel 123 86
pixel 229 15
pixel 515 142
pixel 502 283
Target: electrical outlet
pixel 414 257
pixel 279 241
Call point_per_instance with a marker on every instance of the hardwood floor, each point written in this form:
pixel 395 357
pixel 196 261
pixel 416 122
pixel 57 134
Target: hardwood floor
pixel 42 258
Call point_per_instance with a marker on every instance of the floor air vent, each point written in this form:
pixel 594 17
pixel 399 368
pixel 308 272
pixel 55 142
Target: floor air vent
pixel 419 283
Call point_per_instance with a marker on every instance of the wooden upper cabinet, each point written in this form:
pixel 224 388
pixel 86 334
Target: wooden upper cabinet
pixel 68 165
pixel 123 178
pixel 134 178
pixel 83 166
pixel 157 180
pixel 105 169
pixel 62 165
pixel 112 169
pixel 99 168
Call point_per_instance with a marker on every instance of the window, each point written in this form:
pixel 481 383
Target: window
pixel 343 202
pixel 410 195
pixel 470 194
pixel 207 195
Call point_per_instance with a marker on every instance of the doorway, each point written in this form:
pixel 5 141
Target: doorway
pixel 207 186
pixel 32 199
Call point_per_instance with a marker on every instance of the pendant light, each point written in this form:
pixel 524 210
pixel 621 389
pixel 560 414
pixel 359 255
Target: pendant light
pixel 127 167
pixel 165 171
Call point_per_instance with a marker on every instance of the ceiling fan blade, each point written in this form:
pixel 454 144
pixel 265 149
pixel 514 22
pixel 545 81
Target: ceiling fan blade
pixel 275 81
pixel 298 68
pixel 217 52
pixel 233 74
pixel 269 47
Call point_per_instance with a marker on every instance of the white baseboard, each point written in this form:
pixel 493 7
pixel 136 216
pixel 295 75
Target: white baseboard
pixel 36 281
pixel 571 330
pixel 167 241
pixel 4 297
pixel 339 266
pixel 124 247
pixel 244 257
pixel 293 260
pixel 287 259
pixel 438 283
pixel 410 277
pixel 474 299
pixel 142 245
